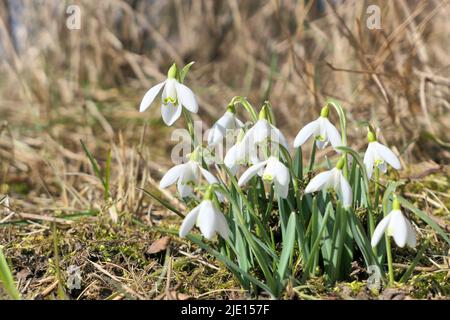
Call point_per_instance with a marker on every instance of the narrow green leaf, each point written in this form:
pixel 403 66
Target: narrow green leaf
pixel 163 202
pixel 7 279
pixel 288 246
pixel 185 70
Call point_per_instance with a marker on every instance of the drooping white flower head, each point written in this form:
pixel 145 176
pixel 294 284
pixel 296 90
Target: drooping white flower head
pixel 226 125
pixel 186 175
pixel 208 219
pixel 322 130
pixel 259 137
pixel 332 179
pixel 378 155
pixel 174 97
pixel 396 225
pixel 271 170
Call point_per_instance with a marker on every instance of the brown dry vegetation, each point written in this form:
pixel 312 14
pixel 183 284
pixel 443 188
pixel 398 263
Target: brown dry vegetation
pixel 61 85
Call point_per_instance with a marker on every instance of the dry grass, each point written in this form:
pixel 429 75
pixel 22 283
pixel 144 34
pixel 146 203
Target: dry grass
pixel 59 86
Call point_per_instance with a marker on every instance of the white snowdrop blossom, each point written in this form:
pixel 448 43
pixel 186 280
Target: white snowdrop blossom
pixel 272 170
pixel 186 175
pixel 332 179
pixel 226 125
pixel 263 131
pixel 237 155
pixel 175 96
pixel 322 130
pixel 378 155
pixel 208 219
pixel 395 225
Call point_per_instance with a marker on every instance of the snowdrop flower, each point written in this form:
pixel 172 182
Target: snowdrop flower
pixel 208 219
pixel 271 170
pixel 332 179
pixel 228 123
pixel 260 135
pixel 186 175
pixel 237 156
pixel 174 97
pixel 263 130
pixel 378 155
pixel 397 226
pixel 322 130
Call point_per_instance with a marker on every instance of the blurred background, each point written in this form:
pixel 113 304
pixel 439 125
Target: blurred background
pixel 72 70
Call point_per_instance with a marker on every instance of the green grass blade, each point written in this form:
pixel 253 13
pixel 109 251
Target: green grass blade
pixel 7 279
pixel 288 246
pixel 185 70
pixel 163 202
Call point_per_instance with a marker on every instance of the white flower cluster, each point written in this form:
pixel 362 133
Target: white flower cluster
pixel 260 147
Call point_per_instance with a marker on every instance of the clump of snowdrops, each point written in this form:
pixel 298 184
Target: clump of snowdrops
pixel 274 219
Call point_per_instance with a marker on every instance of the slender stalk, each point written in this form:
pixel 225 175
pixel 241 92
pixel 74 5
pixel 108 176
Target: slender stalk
pixel 389 260
pixel 190 124
pixel 377 196
pixel 313 157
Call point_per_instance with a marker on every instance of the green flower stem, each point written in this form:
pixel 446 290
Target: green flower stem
pixel 313 157
pixel 376 203
pixel 389 259
pixel 190 125
pixel 246 105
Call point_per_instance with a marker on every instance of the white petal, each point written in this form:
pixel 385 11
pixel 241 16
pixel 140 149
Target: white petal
pixel 170 113
pixel 207 219
pixel 189 222
pixel 239 123
pixel 333 134
pixel 231 158
pixel 211 180
pixel 222 224
pixel 346 191
pixel 150 96
pixel 306 132
pixel 215 136
pixel 277 136
pixel 250 172
pixel 208 176
pixel 411 235
pixel 261 131
pixel 278 170
pixel 379 230
pixel 282 190
pixel 191 173
pixel 184 190
pixel 382 166
pixel 218 131
pixel 398 228
pixel 387 155
pixel 369 159
pixel 319 181
pixel 186 97
pixel 172 175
